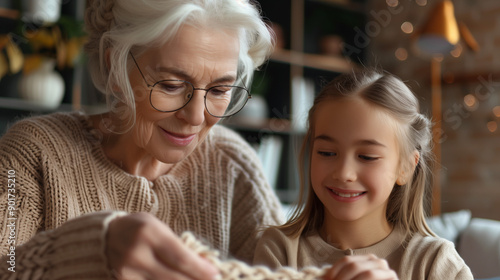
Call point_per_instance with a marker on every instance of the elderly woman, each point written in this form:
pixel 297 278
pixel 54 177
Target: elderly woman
pixel 101 196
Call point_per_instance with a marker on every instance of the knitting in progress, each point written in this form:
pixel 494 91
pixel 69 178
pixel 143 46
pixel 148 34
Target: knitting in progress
pixel 237 270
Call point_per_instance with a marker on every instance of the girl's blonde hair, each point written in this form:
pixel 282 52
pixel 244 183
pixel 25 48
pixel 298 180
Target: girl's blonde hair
pixel 407 203
pixel 115 27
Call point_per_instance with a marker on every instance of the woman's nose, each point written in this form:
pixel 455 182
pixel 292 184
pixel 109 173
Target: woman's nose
pixel 194 112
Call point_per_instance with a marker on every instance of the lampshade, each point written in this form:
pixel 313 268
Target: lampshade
pixel 440 33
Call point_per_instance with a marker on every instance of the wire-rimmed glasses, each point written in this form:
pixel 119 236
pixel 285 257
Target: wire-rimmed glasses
pixel 172 95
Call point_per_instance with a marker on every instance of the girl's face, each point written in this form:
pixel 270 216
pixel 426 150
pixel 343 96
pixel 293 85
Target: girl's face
pixel 202 56
pixel 354 162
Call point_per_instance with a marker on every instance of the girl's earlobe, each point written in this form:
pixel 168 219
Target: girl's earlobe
pixel 401 181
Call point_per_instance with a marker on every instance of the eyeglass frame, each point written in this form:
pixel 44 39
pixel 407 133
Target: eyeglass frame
pixel 249 96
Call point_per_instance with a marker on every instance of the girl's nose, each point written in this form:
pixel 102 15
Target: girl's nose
pixel 194 112
pixel 344 170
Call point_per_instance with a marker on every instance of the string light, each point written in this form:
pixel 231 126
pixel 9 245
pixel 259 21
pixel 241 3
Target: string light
pixel 470 102
pixel 392 3
pixel 496 111
pixel 407 27
pixel 492 126
pixel 421 2
pixel 401 54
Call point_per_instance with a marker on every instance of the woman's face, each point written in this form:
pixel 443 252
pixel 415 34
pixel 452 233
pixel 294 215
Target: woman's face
pixel 202 56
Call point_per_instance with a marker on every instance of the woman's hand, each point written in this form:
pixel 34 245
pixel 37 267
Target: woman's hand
pixel 367 267
pixel 140 247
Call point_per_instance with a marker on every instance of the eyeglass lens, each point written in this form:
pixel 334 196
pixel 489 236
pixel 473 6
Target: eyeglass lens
pixel 220 101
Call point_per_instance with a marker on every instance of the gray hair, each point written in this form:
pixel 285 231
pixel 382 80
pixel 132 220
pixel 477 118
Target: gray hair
pixel 118 26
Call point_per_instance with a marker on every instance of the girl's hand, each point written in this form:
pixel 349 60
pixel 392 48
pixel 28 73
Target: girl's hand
pixel 360 267
pixel 140 247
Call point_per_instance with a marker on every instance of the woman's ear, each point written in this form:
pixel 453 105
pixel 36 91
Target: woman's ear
pixel 404 175
pixel 416 154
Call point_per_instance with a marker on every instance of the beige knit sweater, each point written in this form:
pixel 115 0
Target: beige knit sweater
pixel 61 173
pixel 412 257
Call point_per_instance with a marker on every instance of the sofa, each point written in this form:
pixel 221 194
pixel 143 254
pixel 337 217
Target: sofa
pixel 476 240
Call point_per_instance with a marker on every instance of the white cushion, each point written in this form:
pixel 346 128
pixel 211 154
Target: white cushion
pixel 449 225
pixel 479 246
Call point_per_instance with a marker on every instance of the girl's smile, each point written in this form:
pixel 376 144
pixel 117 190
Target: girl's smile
pixel 343 195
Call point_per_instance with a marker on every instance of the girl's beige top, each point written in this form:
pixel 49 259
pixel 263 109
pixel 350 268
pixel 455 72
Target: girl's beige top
pixel 410 256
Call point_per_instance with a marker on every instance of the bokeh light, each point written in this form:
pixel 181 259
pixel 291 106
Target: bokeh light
pixel 492 126
pixel 392 3
pixel 401 54
pixel 470 101
pixel 496 111
pixel 407 27
pixel 421 2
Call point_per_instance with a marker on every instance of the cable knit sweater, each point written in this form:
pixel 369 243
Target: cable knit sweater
pixel 66 191
pixel 412 257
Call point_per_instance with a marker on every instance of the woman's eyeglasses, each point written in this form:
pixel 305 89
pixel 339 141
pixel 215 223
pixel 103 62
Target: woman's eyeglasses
pixel 172 95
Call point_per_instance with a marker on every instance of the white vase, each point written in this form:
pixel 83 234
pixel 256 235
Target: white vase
pixel 43 86
pixel 41 11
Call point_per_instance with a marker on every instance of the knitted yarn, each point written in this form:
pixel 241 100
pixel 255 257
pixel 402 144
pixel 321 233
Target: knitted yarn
pixel 237 270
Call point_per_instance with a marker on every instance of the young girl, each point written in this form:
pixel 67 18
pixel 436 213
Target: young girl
pixel 369 153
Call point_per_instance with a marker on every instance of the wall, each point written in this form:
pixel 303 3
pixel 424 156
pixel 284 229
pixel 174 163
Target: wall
pixel 470 151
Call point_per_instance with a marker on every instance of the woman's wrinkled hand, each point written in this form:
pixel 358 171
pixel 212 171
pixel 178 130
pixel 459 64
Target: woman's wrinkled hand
pixel 367 267
pixel 140 247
